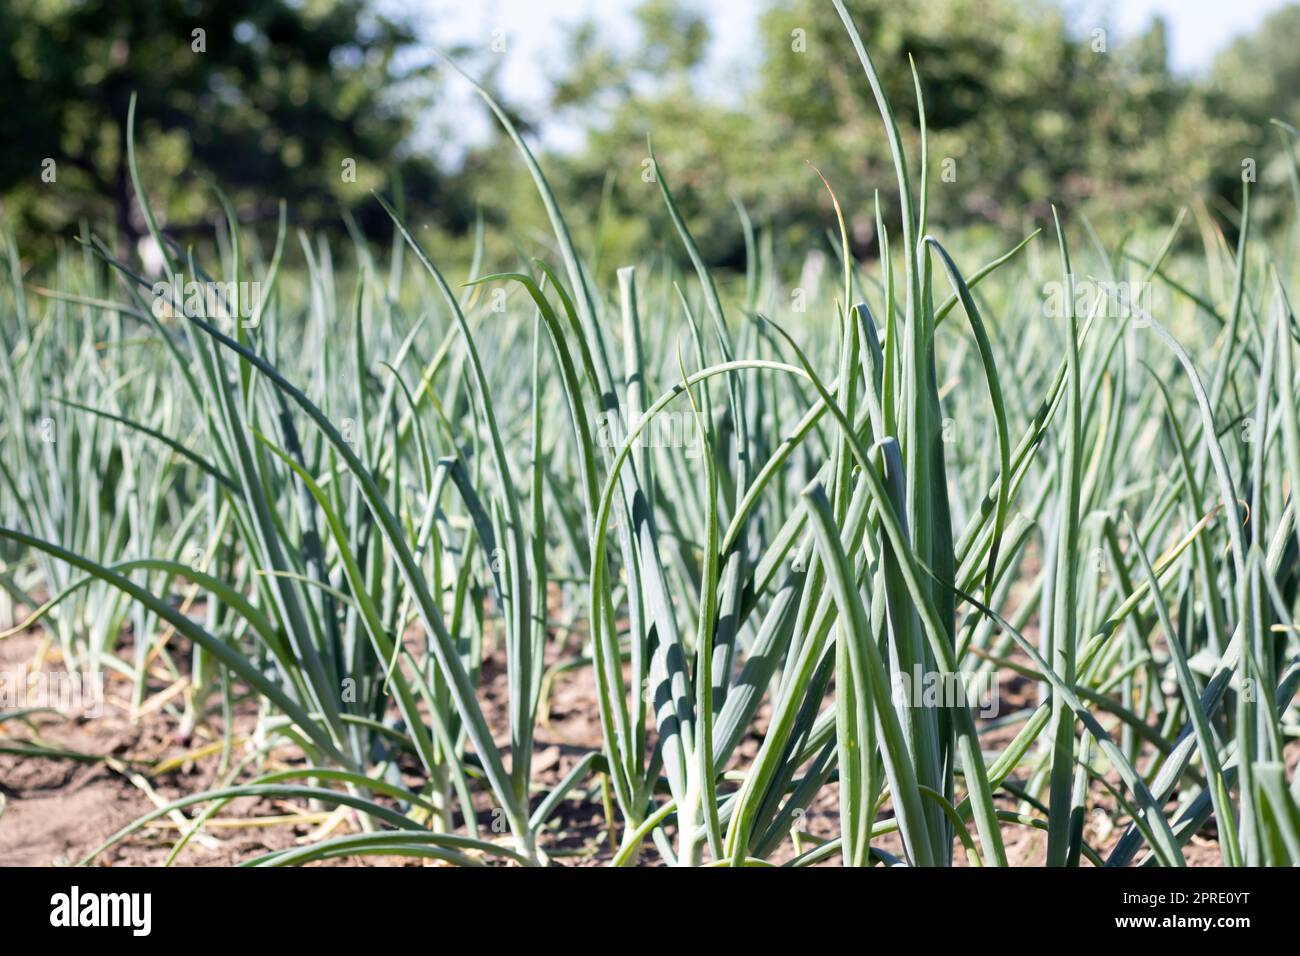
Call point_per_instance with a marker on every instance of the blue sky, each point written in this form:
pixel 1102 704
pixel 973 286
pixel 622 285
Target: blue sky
pixel 534 35
pixel 1198 28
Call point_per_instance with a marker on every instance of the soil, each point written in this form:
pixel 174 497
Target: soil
pixel 58 810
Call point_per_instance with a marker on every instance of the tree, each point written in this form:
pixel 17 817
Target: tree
pixel 271 98
pixel 1256 78
pixel 1022 110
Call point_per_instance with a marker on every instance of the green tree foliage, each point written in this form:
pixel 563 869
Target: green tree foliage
pixel 1023 108
pixel 1255 79
pixel 1259 73
pixel 268 97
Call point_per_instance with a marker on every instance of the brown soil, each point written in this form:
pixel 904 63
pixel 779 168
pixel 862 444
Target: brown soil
pixel 59 810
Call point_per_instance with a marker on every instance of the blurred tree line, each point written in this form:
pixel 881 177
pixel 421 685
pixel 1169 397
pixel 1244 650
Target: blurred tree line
pixel 1025 106
pixel 270 99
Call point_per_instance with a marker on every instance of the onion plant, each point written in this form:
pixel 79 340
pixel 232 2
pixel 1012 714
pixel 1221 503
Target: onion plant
pixel 354 496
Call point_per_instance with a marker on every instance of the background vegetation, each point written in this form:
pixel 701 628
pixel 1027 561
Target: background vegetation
pixel 1028 106
pixel 377 500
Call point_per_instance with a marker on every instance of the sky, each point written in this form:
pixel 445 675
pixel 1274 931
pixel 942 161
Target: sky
pixel 533 34
pixel 1198 28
